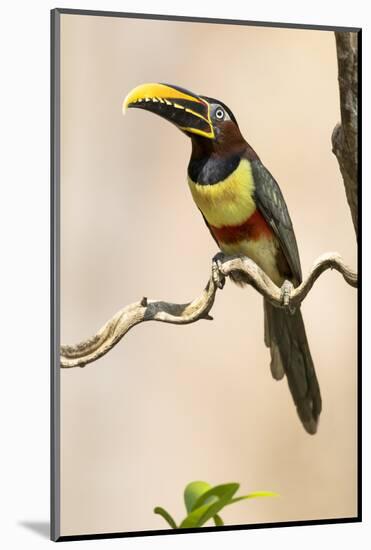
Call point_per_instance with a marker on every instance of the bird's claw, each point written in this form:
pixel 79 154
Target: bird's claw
pixel 218 277
pixel 286 290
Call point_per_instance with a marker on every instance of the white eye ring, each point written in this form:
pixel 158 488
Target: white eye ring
pixel 219 113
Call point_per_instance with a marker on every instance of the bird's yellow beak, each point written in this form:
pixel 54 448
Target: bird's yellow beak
pixel 188 111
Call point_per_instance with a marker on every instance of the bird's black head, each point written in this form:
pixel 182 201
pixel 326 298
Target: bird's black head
pixel 208 122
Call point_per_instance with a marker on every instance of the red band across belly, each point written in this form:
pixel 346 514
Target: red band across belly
pixel 253 228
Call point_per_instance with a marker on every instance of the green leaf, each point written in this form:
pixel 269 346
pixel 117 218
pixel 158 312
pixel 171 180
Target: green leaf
pixel 202 512
pixel 167 517
pixel 194 519
pixel 193 491
pixel 219 491
pixel 218 520
pixel 256 494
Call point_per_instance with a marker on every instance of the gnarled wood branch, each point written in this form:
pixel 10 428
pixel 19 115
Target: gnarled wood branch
pixel 345 135
pixel 182 314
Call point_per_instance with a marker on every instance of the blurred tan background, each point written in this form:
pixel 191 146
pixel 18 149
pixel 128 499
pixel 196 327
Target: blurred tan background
pixel 174 404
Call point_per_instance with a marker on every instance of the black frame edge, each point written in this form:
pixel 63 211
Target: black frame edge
pixel 54 282
pixel 55 279
pixel 151 533
pixel 359 291
pixel 196 19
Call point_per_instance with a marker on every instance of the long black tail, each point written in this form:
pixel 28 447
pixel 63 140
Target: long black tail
pixel 290 355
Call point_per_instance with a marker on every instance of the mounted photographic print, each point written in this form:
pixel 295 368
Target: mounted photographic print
pixel 205 370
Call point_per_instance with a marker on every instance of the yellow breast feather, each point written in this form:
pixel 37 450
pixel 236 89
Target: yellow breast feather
pixel 228 202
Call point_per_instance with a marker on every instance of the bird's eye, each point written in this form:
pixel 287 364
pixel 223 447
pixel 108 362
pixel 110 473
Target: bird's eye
pixel 219 113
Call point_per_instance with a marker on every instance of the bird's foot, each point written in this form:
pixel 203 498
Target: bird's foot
pixel 218 277
pixel 286 290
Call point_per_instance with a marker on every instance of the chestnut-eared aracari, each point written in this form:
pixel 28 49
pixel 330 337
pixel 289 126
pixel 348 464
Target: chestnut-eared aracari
pixel 246 214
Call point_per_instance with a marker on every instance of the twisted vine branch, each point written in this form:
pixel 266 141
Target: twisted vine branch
pixel 345 147
pixel 182 314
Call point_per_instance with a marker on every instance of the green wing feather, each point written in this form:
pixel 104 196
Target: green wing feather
pixel 272 205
